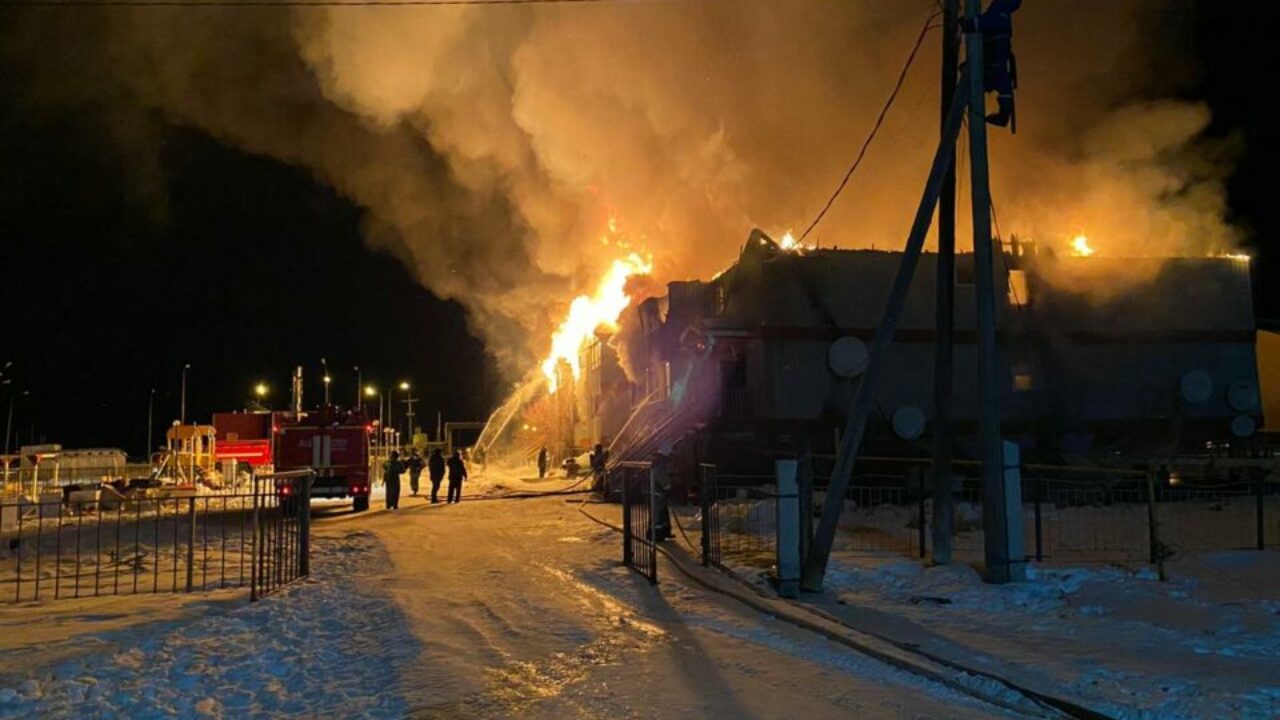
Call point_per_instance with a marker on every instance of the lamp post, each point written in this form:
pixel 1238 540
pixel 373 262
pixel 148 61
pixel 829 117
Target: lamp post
pixel 370 391
pixel 408 413
pixel 324 365
pixel 182 414
pixel 8 426
pixel 359 384
pixel 260 392
pixel 151 408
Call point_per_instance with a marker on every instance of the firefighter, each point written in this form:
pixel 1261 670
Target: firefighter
pixel 391 472
pixel 660 471
pixel 435 471
pixel 457 473
pixel 599 461
pixel 415 465
pixel 542 463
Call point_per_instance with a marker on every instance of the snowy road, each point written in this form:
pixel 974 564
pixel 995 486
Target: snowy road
pixel 520 608
pixel 485 609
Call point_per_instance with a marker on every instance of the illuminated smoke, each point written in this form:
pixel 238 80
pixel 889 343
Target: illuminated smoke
pixel 491 147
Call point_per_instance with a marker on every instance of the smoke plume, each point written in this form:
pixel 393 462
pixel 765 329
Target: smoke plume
pixel 492 146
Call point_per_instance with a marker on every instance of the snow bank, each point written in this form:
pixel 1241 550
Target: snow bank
pixel 1202 645
pixel 330 647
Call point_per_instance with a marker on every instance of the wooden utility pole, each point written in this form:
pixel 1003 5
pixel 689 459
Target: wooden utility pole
pixel 995 509
pixel 815 566
pixel 943 375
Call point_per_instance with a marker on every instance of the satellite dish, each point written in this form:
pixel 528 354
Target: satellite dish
pixel 1243 426
pixel 908 422
pixel 848 357
pixel 1196 386
pixel 1242 396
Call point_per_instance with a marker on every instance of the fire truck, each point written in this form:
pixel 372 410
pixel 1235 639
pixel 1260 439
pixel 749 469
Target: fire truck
pixel 332 442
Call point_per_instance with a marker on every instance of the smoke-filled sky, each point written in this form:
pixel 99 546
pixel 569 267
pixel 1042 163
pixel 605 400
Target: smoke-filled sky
pixel 487 148
pixel 490 146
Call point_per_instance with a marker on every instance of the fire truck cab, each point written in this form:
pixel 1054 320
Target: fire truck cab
pixel 330 441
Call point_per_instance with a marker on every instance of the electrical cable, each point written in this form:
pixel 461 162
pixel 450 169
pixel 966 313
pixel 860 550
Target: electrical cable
pixel 875 129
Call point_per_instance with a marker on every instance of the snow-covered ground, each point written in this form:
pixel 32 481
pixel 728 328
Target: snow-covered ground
pixel 333 643
pixel 484 609
pixel 1118 641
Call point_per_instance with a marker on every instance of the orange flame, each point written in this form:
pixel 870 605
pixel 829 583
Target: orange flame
pixel 1080 246
pixel 587 313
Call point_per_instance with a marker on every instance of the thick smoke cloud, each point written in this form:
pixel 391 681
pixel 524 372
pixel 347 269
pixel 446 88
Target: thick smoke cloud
pixel 492 146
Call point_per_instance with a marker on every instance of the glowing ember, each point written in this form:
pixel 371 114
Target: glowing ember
pixel 788 242
pixel 1239 257
pixel 587 313
pixel 1080 246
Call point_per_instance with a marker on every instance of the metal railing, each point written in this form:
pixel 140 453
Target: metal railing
pixel 639 549
pixel 282 531
pixel 96 542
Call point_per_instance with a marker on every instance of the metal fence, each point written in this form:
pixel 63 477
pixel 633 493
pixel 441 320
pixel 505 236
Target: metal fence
pixel 639 550
pixel 95 542
pixel 282 531
pixel 1076 515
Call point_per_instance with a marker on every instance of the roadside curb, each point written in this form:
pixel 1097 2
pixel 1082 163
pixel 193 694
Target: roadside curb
pixel 989 689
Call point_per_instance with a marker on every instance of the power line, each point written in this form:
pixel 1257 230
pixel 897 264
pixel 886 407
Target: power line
pixel 884 111
pixel 298 3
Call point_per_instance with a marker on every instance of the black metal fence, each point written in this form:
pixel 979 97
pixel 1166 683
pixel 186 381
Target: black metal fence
pixel 282 531
pixel 639 551
pixel 93 541
pixel 1078 515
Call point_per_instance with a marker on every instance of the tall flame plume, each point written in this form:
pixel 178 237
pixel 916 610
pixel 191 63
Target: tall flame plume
pixel 587 313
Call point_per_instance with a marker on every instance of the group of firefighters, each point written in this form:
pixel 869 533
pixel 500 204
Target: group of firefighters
pixel 436 465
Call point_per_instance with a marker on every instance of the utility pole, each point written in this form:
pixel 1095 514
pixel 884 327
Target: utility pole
pixel 182 415
pixel 408 414
pixel 943 373
pixel 324 365
pixel 815 565
pixel 995 511
pixel 359 388
pixel 151 407
pixel 8 426
pixel 297 391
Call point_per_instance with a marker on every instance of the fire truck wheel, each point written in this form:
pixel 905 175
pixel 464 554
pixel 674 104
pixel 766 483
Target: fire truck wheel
pixel 360 504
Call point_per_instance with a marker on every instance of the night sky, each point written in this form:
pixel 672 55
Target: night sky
pixel 250 266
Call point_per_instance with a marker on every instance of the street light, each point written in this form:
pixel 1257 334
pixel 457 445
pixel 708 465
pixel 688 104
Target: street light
pixel 182 416
pixel 151 407
pixel 408 413
pixel 260 390
pixel 370 391
pixel 325 364
pixel 359 384
pixel 8 426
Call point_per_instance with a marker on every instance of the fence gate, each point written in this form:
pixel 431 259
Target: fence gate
pixel 281 531
pixel 639 551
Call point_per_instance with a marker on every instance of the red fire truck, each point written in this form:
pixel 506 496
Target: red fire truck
pixel 332 442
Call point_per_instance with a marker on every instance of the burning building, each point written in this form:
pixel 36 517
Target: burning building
pixel 1123 356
